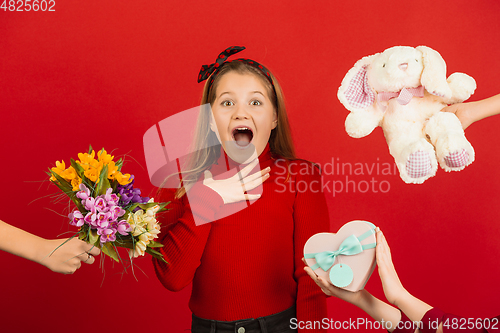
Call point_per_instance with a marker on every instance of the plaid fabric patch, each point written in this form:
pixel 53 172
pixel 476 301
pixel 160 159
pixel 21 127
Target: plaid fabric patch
pixel 418 164
pixel 403 97
pixel 358 93
pixel 457 159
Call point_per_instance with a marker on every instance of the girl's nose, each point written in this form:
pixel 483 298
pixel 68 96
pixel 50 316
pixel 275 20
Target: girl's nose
pixel 241 113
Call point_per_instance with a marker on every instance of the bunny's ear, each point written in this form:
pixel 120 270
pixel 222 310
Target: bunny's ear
pixel 434 73
pixel 355 92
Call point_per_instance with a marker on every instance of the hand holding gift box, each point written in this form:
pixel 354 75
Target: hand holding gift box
pixel 345 259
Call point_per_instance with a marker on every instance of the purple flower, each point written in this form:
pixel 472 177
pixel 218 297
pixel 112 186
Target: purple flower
pixel 129 194
pixel 107 235
pixel 76 218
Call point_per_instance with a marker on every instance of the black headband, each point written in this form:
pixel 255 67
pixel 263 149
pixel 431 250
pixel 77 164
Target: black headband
pixel 207 70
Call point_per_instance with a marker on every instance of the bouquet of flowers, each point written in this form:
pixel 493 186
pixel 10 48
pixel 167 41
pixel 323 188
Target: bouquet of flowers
pixel 110 212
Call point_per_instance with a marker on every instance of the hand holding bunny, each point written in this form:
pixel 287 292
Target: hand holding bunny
pixel 403 90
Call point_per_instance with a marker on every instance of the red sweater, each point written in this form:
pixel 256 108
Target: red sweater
pixel 247 264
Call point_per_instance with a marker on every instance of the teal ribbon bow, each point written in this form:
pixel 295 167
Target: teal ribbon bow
pixel 349 247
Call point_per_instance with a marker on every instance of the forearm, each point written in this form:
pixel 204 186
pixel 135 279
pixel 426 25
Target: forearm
pixel 485 108
pixel 379 310
pixel 21 243
pixel 414 308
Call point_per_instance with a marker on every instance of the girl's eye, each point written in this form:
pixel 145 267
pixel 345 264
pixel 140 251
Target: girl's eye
pixel 255 102
pixel 227 103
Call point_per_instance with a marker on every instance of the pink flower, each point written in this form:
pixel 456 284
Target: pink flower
pixel 103 219
pixel 83 194
pixel 90 204
pixel 107 235
pixel 76 218
pixel 123 227
pixel 116 212
pixel 101 205
pixel 90 219
pixel 111 198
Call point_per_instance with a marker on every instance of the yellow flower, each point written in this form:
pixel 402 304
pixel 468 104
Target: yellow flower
pixel 75 182
pixel 92 174
pixel 69 174
pixel 121 178
pixel 112 170
pixel 58 169
pixel 86 160
pixel 104 157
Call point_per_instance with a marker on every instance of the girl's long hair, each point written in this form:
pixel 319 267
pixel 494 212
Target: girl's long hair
pixel 206 146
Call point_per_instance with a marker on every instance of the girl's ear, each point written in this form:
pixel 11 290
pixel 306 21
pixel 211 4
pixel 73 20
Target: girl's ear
pixel 213 125
pixel 355 92
pixel 275 120
pixel 434 74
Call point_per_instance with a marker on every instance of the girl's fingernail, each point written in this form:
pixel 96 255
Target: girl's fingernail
pixel 268 168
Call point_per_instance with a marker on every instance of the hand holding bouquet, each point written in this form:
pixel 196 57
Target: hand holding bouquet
pixel 110 212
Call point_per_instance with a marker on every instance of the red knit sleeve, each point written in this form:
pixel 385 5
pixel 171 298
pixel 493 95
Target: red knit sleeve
pixel 184 241
pixel 452 323
pixel 310 217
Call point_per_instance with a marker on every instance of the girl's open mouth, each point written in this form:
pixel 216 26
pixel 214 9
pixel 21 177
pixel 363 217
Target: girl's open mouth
pixel 242 136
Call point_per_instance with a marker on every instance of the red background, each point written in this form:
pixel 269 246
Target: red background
pixel 103 72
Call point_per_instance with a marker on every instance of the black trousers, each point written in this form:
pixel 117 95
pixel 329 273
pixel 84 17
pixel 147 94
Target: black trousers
pixel 276 323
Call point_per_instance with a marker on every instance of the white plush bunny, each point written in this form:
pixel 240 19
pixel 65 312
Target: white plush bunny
pixel 403 90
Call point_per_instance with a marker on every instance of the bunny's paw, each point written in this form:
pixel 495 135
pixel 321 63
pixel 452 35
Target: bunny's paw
pixel 457 159
pixel 418 164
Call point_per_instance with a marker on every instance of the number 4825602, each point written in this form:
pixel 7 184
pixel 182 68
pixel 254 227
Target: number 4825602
pixel 28 5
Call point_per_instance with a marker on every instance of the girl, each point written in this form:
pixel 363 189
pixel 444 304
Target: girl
pixel 245 267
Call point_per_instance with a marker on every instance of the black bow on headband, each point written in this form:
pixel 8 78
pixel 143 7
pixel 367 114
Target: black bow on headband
pixel 207 70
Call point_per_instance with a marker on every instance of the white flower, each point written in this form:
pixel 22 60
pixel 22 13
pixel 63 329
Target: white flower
pixel 144 226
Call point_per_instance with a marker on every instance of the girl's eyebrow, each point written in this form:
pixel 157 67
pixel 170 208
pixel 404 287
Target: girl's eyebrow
pixel 252 92
pixel 225 92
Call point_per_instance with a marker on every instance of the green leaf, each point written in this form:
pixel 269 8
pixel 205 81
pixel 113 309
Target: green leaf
pixel 90 149
pixel 146 205
pixel 68 190
pixel 78 168
pixel 103 184
pixel 90 184
pixel 119 164
pixel 156 254
pixel 154 244
pixel 84 233
pixel 109 250
pixel 125 243
pixel 114 185
pixel 62 183
pixel 93 236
